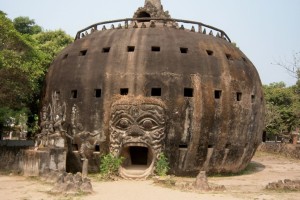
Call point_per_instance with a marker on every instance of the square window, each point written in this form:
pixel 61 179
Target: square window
pixel 229 56
pixel 183 146
pixel 188 92
pixel 97 148
pixel 105 49
pixel 75 147
pixel 65 56
pixel 183 50
pixel 124 91
pixel 252 98
pixel 97 93
pixel 130 48
pixel 74 94
pixel 83 53
pixel 228 145
pixel 155 49
pixel 156 92
pixel 209 52
pixel 239 96
pixel 218 94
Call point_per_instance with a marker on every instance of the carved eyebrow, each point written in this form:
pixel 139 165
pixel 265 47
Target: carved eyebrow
pixel 119 116
pixel 158 120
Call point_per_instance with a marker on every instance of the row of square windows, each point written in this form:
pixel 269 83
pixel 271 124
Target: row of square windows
pixel 181 146
pixel 156 92
pixel 183 50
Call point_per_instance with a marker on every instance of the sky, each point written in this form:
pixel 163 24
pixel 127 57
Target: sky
pixel 267 31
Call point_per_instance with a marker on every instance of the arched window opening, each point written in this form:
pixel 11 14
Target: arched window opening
pixel 144 15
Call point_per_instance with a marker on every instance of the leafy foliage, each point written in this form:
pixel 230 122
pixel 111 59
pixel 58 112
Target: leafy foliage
pixel 110 165
pixel 25 55
pixel 25 25
pixel 282 108
pixel 162 165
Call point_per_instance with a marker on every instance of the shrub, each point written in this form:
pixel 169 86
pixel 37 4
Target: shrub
pixel 162 165
pixel 110 165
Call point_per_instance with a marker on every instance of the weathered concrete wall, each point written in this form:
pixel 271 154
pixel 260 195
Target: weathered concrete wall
pixel 11 153
pixel 74 162
pixel 36 163
pixel 288 150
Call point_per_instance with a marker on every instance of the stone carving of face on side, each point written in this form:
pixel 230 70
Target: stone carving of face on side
pixel 137 123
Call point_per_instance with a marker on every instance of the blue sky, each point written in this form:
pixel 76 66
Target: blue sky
pixel 267 31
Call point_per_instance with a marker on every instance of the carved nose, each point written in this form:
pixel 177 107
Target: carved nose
pixel 135 131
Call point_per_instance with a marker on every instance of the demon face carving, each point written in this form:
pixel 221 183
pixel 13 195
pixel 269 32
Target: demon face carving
pixel 137 123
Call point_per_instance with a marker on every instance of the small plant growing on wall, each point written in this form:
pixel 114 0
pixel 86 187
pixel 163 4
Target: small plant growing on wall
pixel 162 165
pixel 110 165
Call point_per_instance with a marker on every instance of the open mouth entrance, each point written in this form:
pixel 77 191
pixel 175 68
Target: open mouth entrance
pixel 138 161
pixel 138 155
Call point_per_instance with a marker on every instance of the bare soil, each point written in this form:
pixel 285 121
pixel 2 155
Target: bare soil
pixel 264 168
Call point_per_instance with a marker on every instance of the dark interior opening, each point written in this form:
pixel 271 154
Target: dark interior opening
pixel 106 49
pixel 74 94
pixel 57 93
pixel 218 94
pixel 83 52
pixel 130 48
pixel 252 98
pixel 183 50
pixel 97 148
pixel 97 93
pixel 156 92
pixel 65 56
pixel 75 147
pixel 183 146
pixel 124 91
pixel 188 92
pixel 228 145
pixel 138 155
pixel 155 49
pixel 143 15
pixel 239 96
pixel 209 52
pixel 229 57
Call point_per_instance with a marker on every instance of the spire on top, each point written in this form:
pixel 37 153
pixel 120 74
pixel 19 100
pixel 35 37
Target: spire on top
pixel 156 3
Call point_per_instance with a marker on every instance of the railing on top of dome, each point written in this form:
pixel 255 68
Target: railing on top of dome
pixel 116 24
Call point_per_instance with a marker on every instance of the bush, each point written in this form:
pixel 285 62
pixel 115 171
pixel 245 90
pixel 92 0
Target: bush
pixel 162 165
pixel 110 165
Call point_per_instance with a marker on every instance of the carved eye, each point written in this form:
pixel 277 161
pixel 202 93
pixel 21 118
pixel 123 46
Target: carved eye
pixel 148 124
pixel 123 123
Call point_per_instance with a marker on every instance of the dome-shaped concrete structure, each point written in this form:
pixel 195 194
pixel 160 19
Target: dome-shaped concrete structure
pixel 149 86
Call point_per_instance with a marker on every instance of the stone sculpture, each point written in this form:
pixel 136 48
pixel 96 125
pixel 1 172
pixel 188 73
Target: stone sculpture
pixel 138 122
pixel 52 119
pixel 151 86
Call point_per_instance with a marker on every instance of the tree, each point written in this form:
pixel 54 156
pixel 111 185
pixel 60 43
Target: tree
pixel 26 26
pixel 292 67
pixel 282 108
pixel 25 55
pixel 51 42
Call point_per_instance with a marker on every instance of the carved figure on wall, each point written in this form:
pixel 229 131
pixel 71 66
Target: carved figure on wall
pixel 87 140
pixel 52 118
pixel 42 137
pixel 86 144
pixel 137 122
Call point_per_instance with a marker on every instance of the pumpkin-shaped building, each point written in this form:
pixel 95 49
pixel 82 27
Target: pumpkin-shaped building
pixel 142 86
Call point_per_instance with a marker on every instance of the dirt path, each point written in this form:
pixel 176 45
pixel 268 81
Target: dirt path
pixel 269 168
